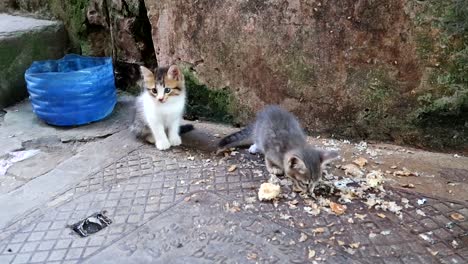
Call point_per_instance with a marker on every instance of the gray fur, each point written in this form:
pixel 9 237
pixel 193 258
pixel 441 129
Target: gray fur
pixel 279 136
pixel 139 127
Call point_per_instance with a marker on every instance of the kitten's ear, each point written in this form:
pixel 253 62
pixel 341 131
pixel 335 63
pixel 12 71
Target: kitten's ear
pixel 148 76
pixel 174 73
pixel 295 163
pixel 327 156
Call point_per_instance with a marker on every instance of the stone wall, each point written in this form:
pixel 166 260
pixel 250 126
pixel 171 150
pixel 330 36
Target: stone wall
pixel 372 69
pixel 367 69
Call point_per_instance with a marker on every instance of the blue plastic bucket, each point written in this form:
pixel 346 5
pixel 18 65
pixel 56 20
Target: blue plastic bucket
pixel 74 90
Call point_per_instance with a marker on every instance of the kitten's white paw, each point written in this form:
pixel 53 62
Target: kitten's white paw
pixel 253 149
pixel 175 140
pixel 163 144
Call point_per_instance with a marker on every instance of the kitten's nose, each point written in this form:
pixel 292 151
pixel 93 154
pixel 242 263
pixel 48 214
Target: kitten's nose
pixel 161 99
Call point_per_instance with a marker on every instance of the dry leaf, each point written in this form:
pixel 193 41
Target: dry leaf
pixel 303 237
pixel 354 245
pixel 393 167
pixel 360 216
pixel 187 199
pixel 340 243
pixel 232 168
pixel 457 216
pixel 408 185
pixel 318 230
pixel 361 162
pixel 381 215
pixel 311 253
pixel 337 208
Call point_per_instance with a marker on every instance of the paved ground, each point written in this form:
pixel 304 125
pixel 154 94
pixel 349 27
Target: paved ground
pixel 188 205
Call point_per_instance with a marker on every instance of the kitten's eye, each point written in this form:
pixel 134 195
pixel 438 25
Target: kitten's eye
pixel 167 90
pixel 154 90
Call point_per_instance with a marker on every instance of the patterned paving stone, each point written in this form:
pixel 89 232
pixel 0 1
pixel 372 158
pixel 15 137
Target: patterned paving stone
pixel 163 203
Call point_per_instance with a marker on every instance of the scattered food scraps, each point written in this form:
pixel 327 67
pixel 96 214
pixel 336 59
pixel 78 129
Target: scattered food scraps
pixel 232 168
pixel 350 251
pixel 385 232
pixel 360 216
pixel 303 237
pixel 354 245
pixel 381 215
pixel 252 256
pixel 311 253
pixel 353 170
pixel 404 172
pixel 361 162
pixel 457 216
pixel 420 212
pixel 268 191
pixel 337 208
pixel 284 216
pixel 340 243
pixel 375 178
pixel 318 230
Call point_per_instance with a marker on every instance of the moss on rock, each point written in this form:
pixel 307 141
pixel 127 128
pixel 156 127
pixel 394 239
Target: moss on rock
pixel 204 103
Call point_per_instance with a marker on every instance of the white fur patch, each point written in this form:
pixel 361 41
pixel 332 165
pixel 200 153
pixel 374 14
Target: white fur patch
pixel 163 118
pixel 253 149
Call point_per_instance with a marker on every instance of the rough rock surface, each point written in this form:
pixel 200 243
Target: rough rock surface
pixel 22 41
pixel 356 68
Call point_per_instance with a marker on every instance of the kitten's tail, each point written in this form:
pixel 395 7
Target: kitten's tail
pixel 185 128
pixel 240 138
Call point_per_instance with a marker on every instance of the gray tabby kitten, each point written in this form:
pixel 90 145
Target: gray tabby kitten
pixel 278 135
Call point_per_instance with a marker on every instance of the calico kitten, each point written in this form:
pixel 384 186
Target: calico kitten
pixel 160 107
pixel 278 135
